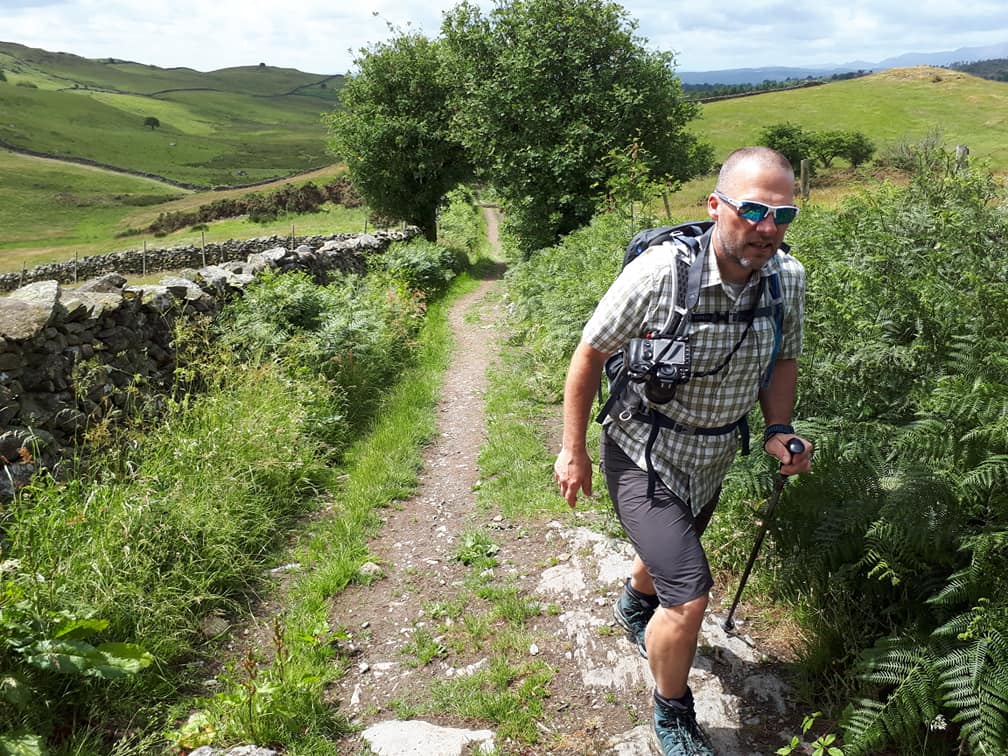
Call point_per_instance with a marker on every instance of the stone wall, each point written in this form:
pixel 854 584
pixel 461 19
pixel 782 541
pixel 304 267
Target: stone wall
pixel 145 261
pixel 71 356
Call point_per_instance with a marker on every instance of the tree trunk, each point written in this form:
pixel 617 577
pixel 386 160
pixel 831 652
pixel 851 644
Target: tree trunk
pixel 428 225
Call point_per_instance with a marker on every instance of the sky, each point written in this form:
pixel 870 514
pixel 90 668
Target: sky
pixel 324 36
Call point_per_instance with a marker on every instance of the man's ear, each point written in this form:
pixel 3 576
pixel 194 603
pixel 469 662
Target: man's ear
pixel 712 206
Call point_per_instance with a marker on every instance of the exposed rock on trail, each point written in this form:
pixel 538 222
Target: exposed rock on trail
pixel 600 691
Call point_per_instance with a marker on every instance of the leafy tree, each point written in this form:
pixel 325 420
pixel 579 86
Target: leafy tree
pixel 545 90
pixel 791 140
pixel 858 148
pixel 827 146
pixel 393 130
pixel 153 122
pixel 2 76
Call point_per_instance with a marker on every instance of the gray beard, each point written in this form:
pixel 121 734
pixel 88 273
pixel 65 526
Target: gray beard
pixel 727 252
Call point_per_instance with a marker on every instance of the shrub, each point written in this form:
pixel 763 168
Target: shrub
pixel 895 545
pixel 422 266
pixel 791 140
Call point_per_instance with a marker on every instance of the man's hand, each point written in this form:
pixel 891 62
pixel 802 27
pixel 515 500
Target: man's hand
pixel 573 472
pixel 791 464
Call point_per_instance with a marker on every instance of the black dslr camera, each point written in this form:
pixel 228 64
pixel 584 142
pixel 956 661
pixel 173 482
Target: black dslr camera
pixel 660 364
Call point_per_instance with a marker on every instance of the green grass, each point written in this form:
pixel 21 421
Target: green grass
pixel 221 128
pixel 44 203
pixel 900 105
pixel 50 210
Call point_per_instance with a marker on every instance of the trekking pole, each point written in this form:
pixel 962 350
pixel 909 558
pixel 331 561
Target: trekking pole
pixel 795 446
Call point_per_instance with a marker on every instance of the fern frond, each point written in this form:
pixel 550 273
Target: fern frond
pixel 904 667
pixel 974 685
pixel 988 476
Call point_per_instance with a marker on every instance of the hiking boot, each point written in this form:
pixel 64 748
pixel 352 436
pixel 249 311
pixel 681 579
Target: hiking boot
pixel 677 732
pixel 632 614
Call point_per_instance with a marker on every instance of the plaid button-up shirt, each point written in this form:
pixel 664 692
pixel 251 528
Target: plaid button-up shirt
pixel 639 301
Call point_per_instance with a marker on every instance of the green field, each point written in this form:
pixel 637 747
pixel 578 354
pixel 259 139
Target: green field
pixel 239 125
pixel 227 127
pixel 899 105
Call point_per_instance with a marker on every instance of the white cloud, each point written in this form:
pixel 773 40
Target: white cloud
pixel 323 36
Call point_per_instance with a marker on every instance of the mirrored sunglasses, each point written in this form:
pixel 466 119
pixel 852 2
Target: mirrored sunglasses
pixel 757 211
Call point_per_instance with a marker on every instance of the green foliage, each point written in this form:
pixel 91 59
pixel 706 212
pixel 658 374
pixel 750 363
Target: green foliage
pixel 276 702
pixel 476 549
pixel 393 130
pixel 306 198
pixel 896 541
pixel 632 184
pixel 41 647
pixel 557 289
pixel 821 746
pixel 460 223
pixel 791 140
pixel 893 549
pixel 544 90
pixel 995 68
pixel 152 122
pixel 422 266
pixel 822 147
pixel 178 522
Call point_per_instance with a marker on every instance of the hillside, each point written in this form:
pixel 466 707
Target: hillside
pixel 227 127
pixel 898 105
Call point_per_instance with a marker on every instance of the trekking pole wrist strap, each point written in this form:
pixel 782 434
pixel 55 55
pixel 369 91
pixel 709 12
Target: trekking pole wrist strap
pixel 773 430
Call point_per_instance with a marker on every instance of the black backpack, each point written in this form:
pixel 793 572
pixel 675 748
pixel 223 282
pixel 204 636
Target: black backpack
pixel 642 360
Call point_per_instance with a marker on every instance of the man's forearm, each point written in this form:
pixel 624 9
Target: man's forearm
pixel 583 377
pixel 777 400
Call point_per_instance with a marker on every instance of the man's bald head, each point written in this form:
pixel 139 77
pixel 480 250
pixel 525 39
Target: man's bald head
pixel 748 160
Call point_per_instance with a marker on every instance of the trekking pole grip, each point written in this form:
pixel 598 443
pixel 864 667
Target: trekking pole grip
pixel 794 446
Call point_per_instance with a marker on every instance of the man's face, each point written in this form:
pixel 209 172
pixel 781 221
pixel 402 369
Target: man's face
pixel 743 246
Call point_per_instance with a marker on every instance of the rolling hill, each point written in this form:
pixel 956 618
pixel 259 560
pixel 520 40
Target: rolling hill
pixel 240 125
pixel 900 105
pixel 228 127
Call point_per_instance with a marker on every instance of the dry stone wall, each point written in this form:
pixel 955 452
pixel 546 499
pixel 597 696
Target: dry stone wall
pixel 69 356
pixel 142 262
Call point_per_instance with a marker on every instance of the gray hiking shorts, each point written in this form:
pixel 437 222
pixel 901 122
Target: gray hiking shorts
pixel 662 530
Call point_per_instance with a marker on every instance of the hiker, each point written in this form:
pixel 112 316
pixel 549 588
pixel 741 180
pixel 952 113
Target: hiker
pixel 675 428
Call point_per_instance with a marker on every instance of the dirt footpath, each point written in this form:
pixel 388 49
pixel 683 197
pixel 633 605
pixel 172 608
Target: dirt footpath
pixel 600 692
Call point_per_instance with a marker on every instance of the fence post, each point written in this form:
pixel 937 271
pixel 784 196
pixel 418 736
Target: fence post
pixel 804 179
pixel 962 153
pixel 24 272
pixel 143 260
pixel 203 247
pixel 75 265
pixel 292 237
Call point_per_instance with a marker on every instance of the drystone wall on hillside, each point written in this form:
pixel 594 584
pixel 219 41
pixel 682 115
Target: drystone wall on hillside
pixel 142 262
pixel 71 356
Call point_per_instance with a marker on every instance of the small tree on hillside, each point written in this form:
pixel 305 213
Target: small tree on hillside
pixel 828 145
pixel 857 149
pixel 153 122
pixel 791 140
pixel 2 77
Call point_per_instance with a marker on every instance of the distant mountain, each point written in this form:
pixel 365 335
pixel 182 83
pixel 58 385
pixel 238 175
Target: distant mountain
pixel 779 73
